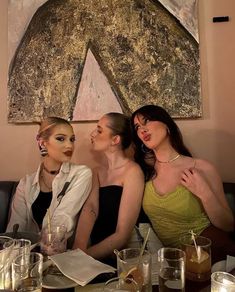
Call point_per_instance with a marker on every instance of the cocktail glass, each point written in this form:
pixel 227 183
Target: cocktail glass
pixel 131 265
pixel 198 258
pixel 53 241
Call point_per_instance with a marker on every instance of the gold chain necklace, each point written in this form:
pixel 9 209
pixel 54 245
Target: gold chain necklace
pixel 170 160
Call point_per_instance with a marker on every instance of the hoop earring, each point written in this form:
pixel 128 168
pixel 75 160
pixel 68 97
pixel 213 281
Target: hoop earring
pixel 145 149
pixel 43 151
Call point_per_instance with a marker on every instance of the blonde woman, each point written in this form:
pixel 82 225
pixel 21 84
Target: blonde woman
pixel 57 184
pixel 111 211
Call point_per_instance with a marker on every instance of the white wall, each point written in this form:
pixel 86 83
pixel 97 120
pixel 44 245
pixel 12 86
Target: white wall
pixel 212 137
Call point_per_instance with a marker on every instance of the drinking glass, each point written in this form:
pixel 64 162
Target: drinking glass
pixel 131 265
pixel 222 282
pixel 171 270
pixel 21 246
pixel 6 246
pixel 198 262
pixel 27 272
pixel 120 284
pixel 53 240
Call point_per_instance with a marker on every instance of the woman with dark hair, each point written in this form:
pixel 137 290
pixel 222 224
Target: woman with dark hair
pixel 57 185
pixel 111 211
pixel 181 193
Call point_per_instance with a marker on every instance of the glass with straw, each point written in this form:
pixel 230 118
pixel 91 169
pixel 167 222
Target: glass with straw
pixel 135 263
pixel 53 238
pixel 198 257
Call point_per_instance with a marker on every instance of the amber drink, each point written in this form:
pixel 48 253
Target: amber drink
pixel 198 258
pixel 131 265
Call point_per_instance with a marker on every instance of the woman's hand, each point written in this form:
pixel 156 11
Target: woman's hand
pixel 194 181
pixel 205 183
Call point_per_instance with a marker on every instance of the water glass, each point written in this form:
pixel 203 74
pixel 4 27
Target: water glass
pixel 53 240
pixel 171 270
pixel 131 265
pixel 21 246
pixel 27 272
pixel 222 282
pixel 120 284
pixel 6 246
pixel 198 262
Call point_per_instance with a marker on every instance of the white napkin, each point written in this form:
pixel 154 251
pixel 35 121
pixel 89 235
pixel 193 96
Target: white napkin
pixel 230 263
pixel 79 266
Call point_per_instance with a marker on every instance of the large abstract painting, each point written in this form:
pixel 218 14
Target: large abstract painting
pixel 79 59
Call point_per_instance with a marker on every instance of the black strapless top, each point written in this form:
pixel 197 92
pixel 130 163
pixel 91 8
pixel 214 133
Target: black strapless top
pixel 106 222
pixel 40 206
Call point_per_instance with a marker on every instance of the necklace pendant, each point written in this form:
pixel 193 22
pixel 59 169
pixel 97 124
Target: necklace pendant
pixel 52 172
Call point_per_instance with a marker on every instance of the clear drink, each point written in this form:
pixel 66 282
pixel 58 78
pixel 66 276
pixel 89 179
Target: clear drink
pixel 170 280
pixel 171 269
pixel 55 241
pixel 27 272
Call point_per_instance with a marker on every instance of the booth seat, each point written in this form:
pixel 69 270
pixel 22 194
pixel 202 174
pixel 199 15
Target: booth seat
pixel 7 190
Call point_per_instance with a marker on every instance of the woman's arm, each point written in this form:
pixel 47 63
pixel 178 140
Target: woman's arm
pixel 205 182
pixel 18 211
pixel 128 213
pixel 88 216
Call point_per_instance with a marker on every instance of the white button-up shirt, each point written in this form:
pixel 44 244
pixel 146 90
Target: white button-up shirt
pixel 63 209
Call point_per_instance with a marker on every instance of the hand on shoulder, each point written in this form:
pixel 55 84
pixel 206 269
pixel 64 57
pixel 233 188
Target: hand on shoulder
pixel 202 179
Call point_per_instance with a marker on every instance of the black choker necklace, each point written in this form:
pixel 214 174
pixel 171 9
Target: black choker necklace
pixel 53 172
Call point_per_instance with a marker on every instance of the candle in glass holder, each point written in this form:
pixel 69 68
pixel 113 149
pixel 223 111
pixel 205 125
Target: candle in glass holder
pixel 222 282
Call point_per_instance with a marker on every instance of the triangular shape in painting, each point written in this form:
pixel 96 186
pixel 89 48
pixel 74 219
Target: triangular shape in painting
pixel 95 96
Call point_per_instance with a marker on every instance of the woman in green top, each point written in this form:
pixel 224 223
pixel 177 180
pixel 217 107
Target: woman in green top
pixel 181 193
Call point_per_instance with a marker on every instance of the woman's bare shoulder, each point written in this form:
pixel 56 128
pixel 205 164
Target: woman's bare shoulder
pixel 203 164
pixel 133 167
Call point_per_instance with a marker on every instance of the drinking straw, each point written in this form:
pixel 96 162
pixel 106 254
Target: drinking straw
pixel 198 251
pixel 49 224
pixel 143 246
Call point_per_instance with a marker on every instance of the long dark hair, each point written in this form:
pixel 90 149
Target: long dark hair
pixel 145 157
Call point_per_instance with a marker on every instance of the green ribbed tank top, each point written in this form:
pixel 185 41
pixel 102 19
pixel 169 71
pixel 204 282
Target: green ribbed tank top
pixel 174 214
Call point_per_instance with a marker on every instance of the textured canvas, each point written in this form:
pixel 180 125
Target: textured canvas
pixel 142 51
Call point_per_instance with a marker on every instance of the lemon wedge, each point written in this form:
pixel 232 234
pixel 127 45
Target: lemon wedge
pixel 124 275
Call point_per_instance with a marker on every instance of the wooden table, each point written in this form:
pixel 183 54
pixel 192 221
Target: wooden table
pixel 190 287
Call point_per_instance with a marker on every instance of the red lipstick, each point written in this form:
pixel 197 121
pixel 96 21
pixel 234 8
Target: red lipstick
pixel 68 153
